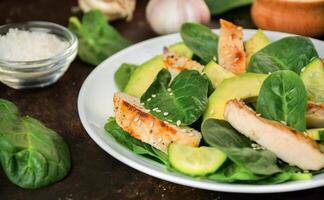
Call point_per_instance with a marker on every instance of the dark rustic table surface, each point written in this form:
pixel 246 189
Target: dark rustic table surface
pixel 94 173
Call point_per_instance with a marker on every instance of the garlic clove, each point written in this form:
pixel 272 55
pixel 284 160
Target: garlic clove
pixel 167 16
pixel 113 9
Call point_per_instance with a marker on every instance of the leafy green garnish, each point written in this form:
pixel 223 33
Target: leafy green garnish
pixel 201 40
pixel 133 144
pixel 184 100
pixel 123 74
pixel 220 6
pixel 220 134
pixel 292 53
pixel 31 154
pixel 97 39
pixel 283 98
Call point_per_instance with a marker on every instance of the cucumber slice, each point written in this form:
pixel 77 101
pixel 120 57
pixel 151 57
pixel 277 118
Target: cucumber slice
pixel 195 161
pixel 313 78
pixel 316 134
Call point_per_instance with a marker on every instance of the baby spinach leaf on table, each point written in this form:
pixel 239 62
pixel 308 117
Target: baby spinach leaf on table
pixel 283 97
pixel 184 100
pixel 201 40
pixel 31 154
pixel 133 144
pixel 220 134
pixel 97 39
pixel 290 53
pixel 220 6
pixel 123 74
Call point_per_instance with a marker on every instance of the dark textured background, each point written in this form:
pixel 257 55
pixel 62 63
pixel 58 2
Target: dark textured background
pixel 95 174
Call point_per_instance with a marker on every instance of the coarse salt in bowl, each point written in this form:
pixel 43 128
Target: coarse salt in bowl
pixel 35 54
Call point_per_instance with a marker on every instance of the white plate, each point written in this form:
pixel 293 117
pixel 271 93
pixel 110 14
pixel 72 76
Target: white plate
pixel 95 106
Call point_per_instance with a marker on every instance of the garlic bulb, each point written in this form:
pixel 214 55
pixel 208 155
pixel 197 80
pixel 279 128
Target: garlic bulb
pixel 167 16
pixel 113 9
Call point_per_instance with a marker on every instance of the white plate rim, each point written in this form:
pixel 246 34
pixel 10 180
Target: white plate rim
pixel 183 180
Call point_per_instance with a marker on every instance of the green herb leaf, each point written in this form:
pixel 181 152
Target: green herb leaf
pixel 283 97
pixel 184 100
pixel 133 144
pixel 220 134
pixel 220 6
pixel 230 172
pixel 122 75
pixel 201 40
pixel 97 39
pixel 31 154
pixel 291 53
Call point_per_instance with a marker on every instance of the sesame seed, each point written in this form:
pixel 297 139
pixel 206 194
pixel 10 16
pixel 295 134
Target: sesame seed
pixel 149 99
pixel 178 123
pixel 169 90
pixel 258 114
pixel 214 58
pixel 136 119
pixel 158 111
pixel 236 59
pixel 165 113
pixel 151 124
pixel 283 122
pixel 269 73
pixel 142 104
pixel 154 109
pixel 171 93
pixel 303 69
pixel 153 95
pixel 139 122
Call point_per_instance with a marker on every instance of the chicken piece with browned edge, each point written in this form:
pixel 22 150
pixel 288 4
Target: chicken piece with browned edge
pixel 133 118
pixel 286 143
pixel 231 54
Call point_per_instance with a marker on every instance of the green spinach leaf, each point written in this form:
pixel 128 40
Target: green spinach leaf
pixel 97 39
pixel 230 172
pixel 201 40
pixel 123 74
pixel 283 97
pixel 220 6
pixel 291 53
pixel 220 134
pixel 31 154
pixel 184 100
pixel 133 144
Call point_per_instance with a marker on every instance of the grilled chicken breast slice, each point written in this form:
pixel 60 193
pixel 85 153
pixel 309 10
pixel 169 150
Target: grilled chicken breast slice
pixel 315 115
pixel 132 117
pixel 287 144
pixel 176 63
pixel 231 54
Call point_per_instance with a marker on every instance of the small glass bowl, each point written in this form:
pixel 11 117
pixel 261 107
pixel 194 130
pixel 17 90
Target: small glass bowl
pixel 38 73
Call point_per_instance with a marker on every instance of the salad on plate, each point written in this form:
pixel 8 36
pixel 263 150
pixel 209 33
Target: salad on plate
pixel 223 109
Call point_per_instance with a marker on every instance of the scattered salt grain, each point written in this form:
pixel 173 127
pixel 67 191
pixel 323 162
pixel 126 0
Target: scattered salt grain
pixel 21 45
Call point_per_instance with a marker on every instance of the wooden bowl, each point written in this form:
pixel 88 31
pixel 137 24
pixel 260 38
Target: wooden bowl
pixel 303 17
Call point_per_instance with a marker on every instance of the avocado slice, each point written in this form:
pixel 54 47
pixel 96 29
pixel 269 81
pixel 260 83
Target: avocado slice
pixel 255 43
pixel 315 134
pixel 216 74
pixel 181 49
pixel 244 86
pixel 144 76
pixel 313 78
